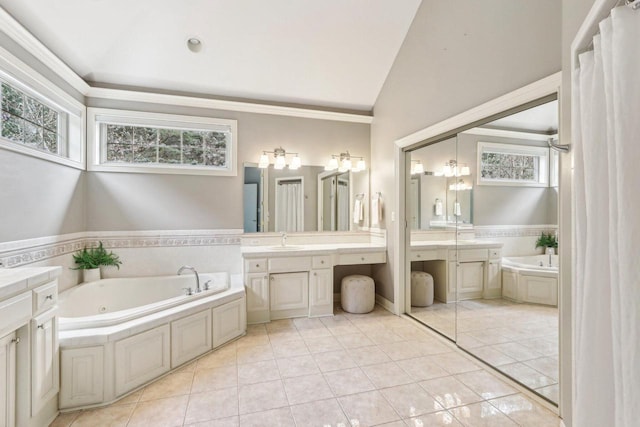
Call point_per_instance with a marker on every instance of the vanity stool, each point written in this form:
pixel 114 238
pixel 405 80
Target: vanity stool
pixel 421 289
pixel 357 294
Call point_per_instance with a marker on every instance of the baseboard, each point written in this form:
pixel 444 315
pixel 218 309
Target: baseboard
pixel 385 303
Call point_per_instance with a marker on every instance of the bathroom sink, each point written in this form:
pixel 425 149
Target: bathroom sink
pixel 286 248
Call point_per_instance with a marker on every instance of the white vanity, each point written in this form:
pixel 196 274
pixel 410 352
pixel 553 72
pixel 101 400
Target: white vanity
pixel 297 280
pixel 29 373
pixel 466 269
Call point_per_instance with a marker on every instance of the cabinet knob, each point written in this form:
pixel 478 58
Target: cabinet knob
pixel 315 274
pixel 50 296
pixel 419 255
pixel 322 262
pixel 15 340
pixel 40 326
pixel 257 265
pixel 272 277
pixel 362 258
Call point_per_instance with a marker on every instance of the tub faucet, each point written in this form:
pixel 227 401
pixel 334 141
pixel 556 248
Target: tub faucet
pixel 283 242
pixel 188 267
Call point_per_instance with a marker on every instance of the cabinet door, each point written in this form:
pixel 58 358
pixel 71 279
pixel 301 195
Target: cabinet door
pixel 321 292
pixel 8 380
pixel 510 285
pixel 289 295
pixel 257 287
pixel 82 376
pixel 493 288
pixel 229 322
pixel 470 279
pixel 190 337
pixel 141 358
pixel 45 371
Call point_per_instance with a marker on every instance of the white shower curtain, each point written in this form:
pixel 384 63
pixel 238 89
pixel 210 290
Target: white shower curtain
pixel 343 206
pixel 606 133
pixel 289 206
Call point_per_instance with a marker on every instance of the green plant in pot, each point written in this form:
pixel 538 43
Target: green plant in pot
pixel 547 241
pixel 89 260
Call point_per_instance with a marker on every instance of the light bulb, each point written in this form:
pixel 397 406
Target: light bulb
pixel 346 164
pixel 295 163
pixel 264 161
pixel 332 165
pixel 465 171
pixel 418 168
pixel 361 165
pixel 447 170
pixel 280 162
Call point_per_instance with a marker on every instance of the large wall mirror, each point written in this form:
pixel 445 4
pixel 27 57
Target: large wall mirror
pixel 305 199
pixel 483 211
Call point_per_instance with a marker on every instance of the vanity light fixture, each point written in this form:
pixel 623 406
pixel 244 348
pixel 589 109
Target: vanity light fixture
pixel 280 159
pixel 417 168
pixel 460 186
pixel 451 168
pixel 343 163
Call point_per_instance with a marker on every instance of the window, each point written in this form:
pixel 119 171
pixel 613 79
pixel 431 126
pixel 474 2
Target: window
pixel 510 164
pixel 128 141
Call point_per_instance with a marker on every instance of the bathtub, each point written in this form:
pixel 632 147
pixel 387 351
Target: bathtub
pixel 117 335
pixel 531 279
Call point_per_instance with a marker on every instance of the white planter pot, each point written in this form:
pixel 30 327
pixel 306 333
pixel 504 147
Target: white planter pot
pixel 91 275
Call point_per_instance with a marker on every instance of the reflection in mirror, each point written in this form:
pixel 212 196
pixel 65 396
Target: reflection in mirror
pixel 513 325
pixel 434 209
pixel 304 199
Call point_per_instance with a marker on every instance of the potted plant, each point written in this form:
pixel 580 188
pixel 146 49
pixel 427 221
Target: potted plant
pixel 547 241
pixel 90 260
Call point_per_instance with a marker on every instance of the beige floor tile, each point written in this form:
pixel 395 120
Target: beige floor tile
pixel 130 398
pixel 306 389
pixel 551 392
pixel 411 400
pixel 481 415
pixel 334 360
pixel 253 340
pixel 386 375
pixel 280 325
pixel 308 323
pixel 454 363
pixel 222 357
pixel 289 349
pixel 188 368
pixel 255 354
pixel 112 416
pixel 368 409
pixel 527 375
pixel 258 372
pixel 517 351
pixel 372 355
pixel 167 412
pixel 449 392
pixel 280 417
pixel 176 384
pixel 322 344
pixel 525 412
pixel 348 381
pixel 309 334
pixel 384 337
pixel 355 340
pixel 282 336
pixel 297 366
pixel 343 329
pixel 262 397
pixel 402 350
pixel 438 419
pixel 212 405
pixel 215 378
pixel 393 424
pixel 486 385
pixel 225 422
pixel 258 329
pixel 422 368
pixel 319 413
pixel 64 420
pixel 491 356
pixel 546 365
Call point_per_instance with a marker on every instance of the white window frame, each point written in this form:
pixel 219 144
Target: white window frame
pixel 543 165
pixel 97 147
pixel 71 112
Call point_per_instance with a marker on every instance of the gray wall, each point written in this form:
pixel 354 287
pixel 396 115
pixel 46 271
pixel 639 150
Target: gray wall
pixel 456 55
pixel 128 201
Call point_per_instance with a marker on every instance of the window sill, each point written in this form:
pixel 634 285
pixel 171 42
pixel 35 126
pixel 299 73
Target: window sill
pixel 161 169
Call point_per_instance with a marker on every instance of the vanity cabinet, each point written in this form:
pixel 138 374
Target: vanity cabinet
pixel 289 295
pixel 321 292
pixel 8 380
pixel 493 288
pixel 45 369
pixel 257 288
pixel 470 280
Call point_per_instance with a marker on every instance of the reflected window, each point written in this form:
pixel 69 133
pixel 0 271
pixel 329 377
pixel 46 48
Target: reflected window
pixel 508 164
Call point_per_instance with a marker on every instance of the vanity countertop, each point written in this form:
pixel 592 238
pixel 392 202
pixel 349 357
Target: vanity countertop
pixel 315 249
pixel 13 280
pixel 452 244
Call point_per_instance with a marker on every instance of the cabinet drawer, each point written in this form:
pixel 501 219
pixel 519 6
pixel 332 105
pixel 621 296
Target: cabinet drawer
pixel 302 263
pixel 424 255
pixel 494 253
pixel 321 261
pixel 45 297
pixel 364 258
pixel 465 255
pixel 258 265
pixel 15 312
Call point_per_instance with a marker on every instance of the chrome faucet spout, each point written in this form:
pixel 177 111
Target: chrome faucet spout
pixel 193 270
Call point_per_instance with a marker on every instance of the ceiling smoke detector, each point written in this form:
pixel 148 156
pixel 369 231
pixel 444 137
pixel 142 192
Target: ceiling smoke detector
pixel 194 44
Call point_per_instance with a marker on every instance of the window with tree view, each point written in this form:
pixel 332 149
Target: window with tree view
pixel 154 145
pixel 513 164
pixel 27 121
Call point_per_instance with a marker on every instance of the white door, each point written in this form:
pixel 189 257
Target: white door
pixel 250 205
pixel 7 380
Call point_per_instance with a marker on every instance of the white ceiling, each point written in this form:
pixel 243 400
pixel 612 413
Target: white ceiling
pixel 331 53
pixel 543 118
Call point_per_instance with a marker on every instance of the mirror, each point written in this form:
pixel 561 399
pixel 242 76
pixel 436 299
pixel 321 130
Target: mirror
pixel 305 199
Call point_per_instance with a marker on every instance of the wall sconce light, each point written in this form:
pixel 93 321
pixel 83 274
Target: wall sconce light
pixel 460 186
pixel 452 168
pixel 417 168
pixel 280 159
pixel 343 163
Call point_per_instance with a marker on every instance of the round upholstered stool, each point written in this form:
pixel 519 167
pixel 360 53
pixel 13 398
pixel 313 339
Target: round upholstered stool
pixel 357 294
pixel 421 289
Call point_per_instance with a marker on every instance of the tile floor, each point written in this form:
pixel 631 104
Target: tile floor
pixel 519 339
pixel 348 370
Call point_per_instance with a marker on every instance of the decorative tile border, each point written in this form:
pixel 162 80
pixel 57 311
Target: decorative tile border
pixel 489 231
pixel 16 254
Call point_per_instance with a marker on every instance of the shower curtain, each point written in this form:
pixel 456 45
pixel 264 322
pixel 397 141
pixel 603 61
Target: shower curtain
pixel 343 206
pixel 606 135
pixel 289 206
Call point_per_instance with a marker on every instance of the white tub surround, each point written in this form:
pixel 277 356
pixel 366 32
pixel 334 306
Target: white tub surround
pixel 296 280
pixel 462 269
pixel 531 279
pixel 29 370
pixel 105 356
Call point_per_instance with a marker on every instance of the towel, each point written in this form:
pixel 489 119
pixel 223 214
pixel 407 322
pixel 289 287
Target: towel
pixel 438 209
pixel 456 209
pixel 358 211
pixel 376 211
